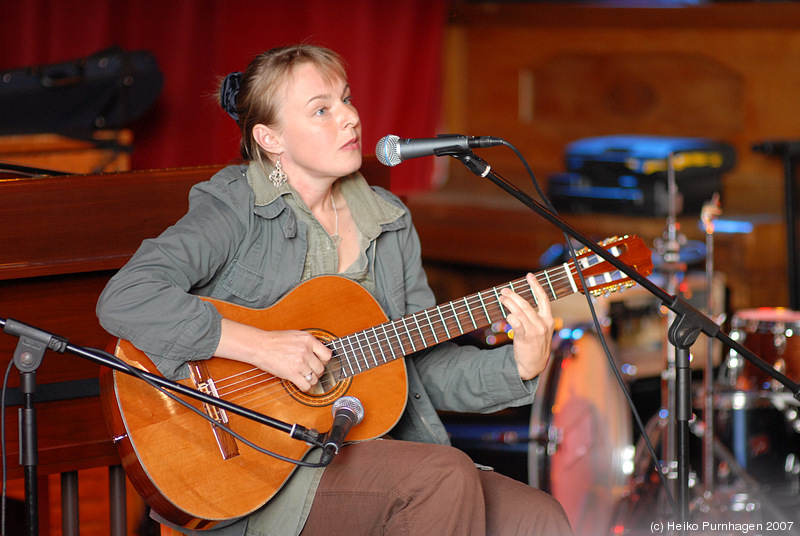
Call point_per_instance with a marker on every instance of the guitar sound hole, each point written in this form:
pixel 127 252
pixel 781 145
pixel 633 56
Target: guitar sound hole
pixel 329 386
pixel 327 382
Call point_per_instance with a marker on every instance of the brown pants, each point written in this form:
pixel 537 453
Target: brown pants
pixel 403 488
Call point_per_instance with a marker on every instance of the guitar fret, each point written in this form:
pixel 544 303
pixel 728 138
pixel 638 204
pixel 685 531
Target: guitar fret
pixel 570 279
pixel 433 330
pixel 341 356
pixel 560 286
pixel 410 338
pixel 472 318
pixel 550 284
pixel 360 352
pixel 497 297
pixel 371 352
pixel 444 322
pixel 366 350
pixel 347 357
pixel 483 306
pixel 415 316
pixel 535 301
pixel 386 336
pixel 455 315
pixel 355 352
pixel 399 339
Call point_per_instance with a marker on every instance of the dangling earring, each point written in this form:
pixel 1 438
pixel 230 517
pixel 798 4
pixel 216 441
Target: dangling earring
pixel 278 177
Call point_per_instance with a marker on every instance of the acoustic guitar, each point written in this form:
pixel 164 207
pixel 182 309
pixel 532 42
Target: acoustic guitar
pixel 196 475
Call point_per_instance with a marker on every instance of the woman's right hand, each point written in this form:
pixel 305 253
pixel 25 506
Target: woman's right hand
pixel 296 356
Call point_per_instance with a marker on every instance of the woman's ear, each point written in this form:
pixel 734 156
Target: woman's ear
pixel 267 139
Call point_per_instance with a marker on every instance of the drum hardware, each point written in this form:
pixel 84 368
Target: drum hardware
pixel 686 325
pixel 547 436
pixel 676 421
pixel 675 262
pixel 708 216
pixel 747 492
pixel 737 497
pixel 773 334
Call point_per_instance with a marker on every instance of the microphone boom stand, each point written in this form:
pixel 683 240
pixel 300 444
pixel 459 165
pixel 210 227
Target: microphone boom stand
pixel 33 342
pixel 682 333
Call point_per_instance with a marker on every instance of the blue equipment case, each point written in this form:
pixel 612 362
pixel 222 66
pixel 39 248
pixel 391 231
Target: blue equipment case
pixel 628 174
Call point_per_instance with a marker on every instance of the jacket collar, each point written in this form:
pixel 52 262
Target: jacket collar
pixel 370 211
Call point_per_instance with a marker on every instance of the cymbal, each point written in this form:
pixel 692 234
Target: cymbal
pixel 692 252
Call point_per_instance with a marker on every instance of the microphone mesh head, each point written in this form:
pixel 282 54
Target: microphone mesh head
pixel 386 151
pixel 351 403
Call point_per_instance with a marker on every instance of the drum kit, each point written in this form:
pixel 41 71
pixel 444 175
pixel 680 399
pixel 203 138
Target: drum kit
pixel 745 432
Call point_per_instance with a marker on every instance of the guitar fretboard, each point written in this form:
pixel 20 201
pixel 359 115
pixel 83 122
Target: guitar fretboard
pixel 386 342
pixel 391 340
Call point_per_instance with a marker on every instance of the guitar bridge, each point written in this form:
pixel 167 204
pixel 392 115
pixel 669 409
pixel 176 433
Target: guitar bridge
pixel 204 383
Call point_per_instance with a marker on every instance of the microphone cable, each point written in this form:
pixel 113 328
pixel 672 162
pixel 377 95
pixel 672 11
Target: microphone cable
pixel 601 337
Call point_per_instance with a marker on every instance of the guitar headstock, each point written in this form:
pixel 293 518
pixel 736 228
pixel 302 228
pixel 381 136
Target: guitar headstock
pixel 603 278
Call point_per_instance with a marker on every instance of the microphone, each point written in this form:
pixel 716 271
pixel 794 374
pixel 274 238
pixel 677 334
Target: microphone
pixel 347 412
pixel 392 150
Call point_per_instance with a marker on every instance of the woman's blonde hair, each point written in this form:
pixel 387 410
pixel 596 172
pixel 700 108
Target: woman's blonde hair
pixel 252 98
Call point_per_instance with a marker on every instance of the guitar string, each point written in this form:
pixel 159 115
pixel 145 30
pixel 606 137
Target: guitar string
pixel 370 344
pixel 230 391
pixel 271 384
pixel 543 278
pixel 266 380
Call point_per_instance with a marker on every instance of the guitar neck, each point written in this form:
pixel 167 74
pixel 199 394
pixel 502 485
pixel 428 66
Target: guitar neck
pixel 386 342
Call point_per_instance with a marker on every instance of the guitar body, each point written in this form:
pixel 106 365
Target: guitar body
pixel 172 456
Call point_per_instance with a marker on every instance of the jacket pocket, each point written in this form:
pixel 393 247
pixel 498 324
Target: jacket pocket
pixel 243 283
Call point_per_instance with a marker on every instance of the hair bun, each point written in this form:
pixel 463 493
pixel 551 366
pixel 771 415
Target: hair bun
pixel 228 93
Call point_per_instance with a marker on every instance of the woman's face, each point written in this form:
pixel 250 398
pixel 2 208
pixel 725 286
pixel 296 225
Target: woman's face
pixel 319 129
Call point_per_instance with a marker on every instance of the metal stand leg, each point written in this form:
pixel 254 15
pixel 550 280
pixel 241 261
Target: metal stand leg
pixel 70 519
pixel 118 500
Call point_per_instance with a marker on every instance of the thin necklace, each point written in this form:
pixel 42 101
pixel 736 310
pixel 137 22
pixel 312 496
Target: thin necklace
pixel 335 236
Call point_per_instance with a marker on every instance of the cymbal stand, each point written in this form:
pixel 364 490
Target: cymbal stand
pixel 708 215
pixel 670 247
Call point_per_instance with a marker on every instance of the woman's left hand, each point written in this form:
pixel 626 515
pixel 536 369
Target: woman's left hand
pixel 533 330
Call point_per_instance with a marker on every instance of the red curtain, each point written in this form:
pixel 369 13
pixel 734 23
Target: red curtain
pixel 393 51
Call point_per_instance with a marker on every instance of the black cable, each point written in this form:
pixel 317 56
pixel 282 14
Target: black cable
pixel 639 424
pixel 3 448
pixel 137 373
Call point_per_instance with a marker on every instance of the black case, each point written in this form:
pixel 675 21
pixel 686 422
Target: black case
pixel 106 90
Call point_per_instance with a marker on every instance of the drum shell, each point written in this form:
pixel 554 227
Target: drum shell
pixel 773 334
pixel 761 430
pixel 581 432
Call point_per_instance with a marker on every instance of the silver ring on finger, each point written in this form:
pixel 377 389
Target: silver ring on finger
pixel 309 377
